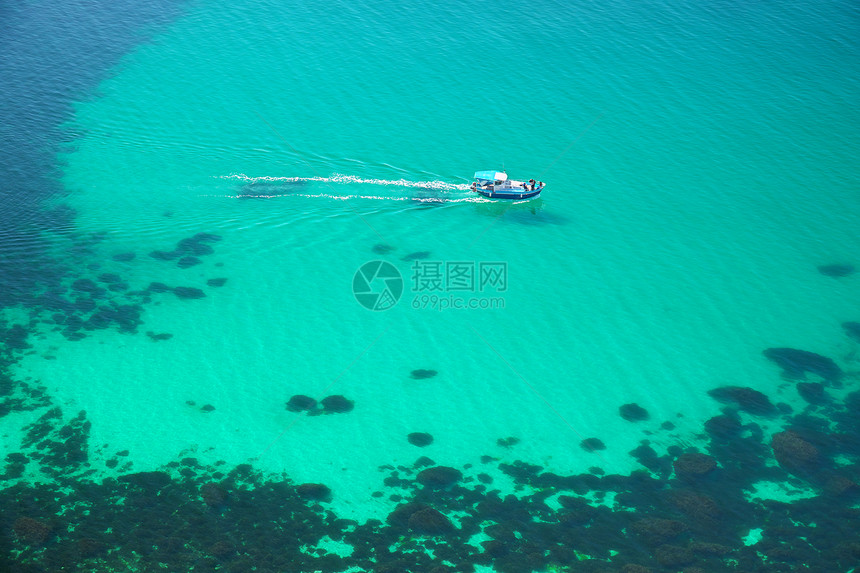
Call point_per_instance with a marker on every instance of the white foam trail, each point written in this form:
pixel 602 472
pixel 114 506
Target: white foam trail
pixel 476 199
pixel 341 179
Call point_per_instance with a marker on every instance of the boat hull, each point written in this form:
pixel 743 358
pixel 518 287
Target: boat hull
pixel 508 194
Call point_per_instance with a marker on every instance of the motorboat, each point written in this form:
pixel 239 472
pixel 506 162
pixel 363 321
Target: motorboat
pixel 496 185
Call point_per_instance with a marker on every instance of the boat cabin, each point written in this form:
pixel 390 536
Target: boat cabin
pixel 496 185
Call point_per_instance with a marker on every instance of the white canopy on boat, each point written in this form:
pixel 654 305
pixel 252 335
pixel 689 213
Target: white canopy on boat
pixel 491 175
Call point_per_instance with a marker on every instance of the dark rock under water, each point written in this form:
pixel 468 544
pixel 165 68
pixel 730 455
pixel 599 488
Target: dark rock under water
pixel 337 404
pixel 300 403
pixel 422 374
pixel 852 329
pixel 836 270
pixel 189 250
pixel 382 249
pixel 746 399
pixel 633 412
pixel 188 292
pixel 796 363
pixel 592 444
pixel 416 256
pixel 420 439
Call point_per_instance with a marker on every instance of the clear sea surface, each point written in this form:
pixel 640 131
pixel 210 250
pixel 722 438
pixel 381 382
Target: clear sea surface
pixel 701 162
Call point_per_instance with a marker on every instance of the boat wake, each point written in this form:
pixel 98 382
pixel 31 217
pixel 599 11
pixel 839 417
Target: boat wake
pixel 269 187
pixel 341 179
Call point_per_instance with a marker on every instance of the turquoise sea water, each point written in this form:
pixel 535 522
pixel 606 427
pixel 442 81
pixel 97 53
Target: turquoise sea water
pixel 700 161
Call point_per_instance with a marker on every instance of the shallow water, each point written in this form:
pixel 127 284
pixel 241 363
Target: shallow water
pixel 189 204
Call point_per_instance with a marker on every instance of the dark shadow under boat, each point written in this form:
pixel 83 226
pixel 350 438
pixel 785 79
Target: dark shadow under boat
pixel 521 212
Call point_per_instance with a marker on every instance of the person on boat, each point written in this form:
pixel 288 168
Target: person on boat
pixel 540 184
pixel 532 183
